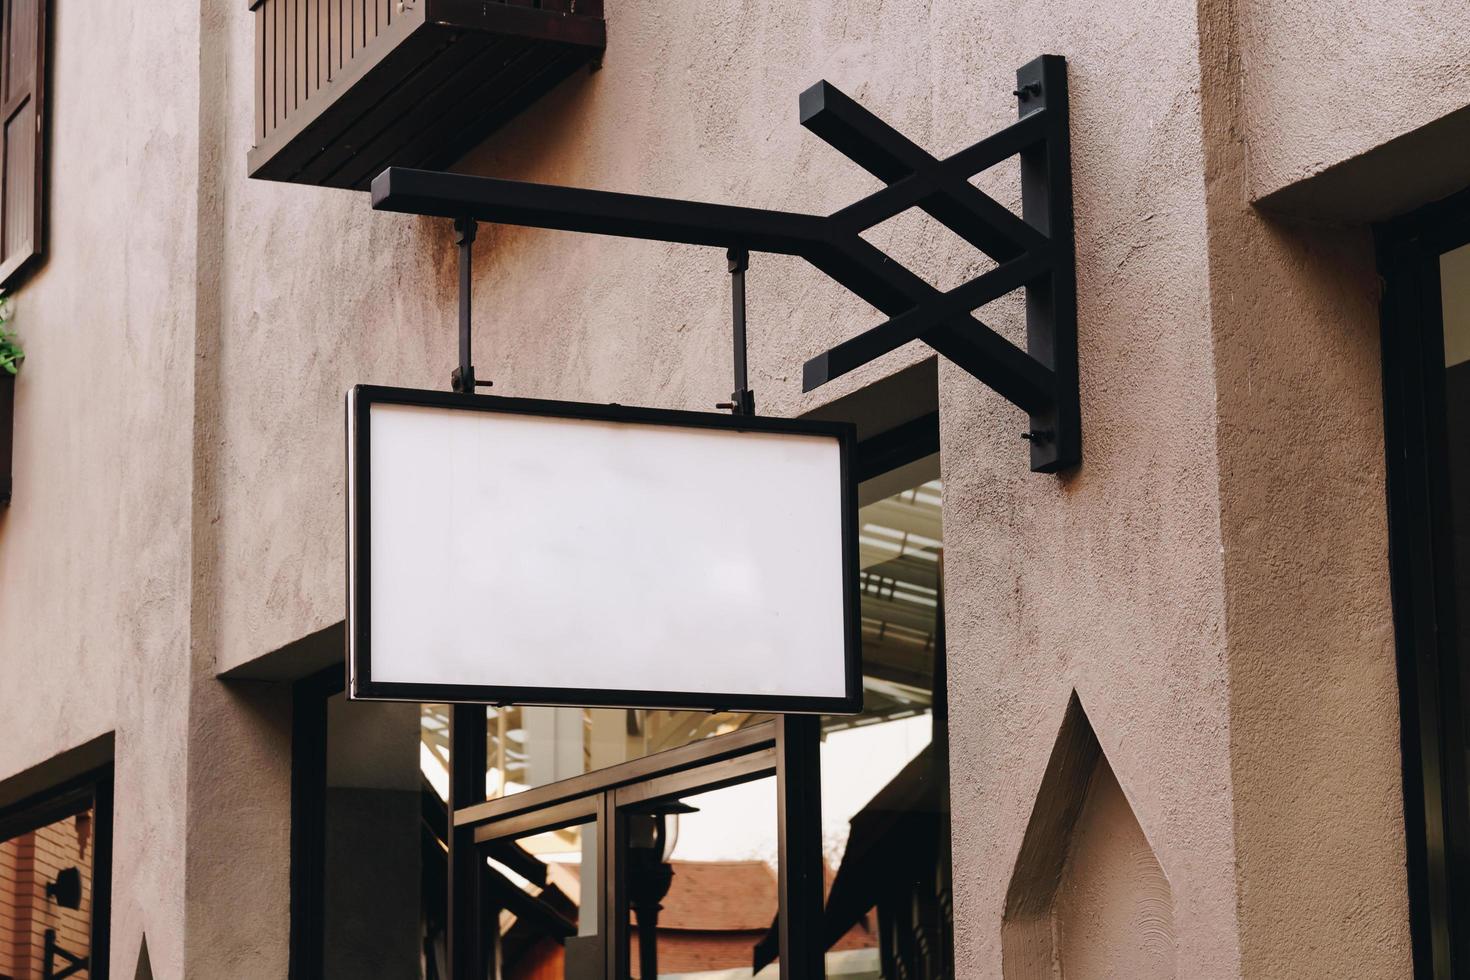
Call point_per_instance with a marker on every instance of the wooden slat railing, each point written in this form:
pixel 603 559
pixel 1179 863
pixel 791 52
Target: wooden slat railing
pixel 338 79
pixel 301 45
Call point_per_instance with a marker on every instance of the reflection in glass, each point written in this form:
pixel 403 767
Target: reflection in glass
pixel 533 746
pixel 1454 269
pixel 702 885
pixel 885 799
pixel 382 846
pixel 545 886
pixel 46 899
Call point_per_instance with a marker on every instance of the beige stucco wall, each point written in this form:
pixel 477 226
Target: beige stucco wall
pixel 1114 908
pixel 1313 696
pixel 94 551
pixel 1211 581
pixel 1324 81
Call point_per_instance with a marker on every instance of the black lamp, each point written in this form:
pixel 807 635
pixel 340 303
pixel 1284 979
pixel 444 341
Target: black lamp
pixel 650 875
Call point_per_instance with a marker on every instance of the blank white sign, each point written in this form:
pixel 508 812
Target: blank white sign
pixel 636 563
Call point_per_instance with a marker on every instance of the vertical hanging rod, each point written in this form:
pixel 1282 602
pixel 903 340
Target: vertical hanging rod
pixel 742 399
pixel 462 378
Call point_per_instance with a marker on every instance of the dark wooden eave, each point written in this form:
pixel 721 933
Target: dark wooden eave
pixel 347 88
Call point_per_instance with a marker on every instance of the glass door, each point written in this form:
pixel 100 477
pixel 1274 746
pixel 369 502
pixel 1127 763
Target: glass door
pixel 664 866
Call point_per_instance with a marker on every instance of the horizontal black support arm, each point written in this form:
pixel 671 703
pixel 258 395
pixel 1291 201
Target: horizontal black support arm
pixel 515 202
pixel 848 259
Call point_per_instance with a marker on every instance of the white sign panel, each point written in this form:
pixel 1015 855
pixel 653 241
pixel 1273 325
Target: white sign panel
pixel 514 551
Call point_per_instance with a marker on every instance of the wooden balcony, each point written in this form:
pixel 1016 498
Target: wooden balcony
pixel 344 88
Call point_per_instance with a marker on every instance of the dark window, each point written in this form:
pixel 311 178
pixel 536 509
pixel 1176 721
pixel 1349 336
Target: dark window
pixel 55 870
pixel 1425 259
pixel 22 141
pixel 885 772
pixel 369 826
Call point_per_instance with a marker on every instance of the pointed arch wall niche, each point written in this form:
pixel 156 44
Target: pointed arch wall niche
pixel 1088 899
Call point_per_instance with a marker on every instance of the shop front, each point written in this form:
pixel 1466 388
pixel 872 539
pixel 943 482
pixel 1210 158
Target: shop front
pixel 814 500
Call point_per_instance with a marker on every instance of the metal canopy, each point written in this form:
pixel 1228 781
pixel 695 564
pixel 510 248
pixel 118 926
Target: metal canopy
pixel 1033 251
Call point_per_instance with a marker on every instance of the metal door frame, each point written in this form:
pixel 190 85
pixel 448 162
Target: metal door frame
pixel 1431 668
pixel 786 748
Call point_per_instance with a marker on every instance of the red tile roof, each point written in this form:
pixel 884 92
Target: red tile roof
pixel 720 896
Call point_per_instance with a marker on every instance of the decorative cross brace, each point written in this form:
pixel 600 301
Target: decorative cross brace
pixel 1034 251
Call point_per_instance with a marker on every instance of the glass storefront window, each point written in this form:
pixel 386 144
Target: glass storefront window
pixel 50 896
pixel 885 826
pixel 546 886
pixel 533 746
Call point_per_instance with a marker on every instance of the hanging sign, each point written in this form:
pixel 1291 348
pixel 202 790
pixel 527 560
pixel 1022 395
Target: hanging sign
pixel 517 551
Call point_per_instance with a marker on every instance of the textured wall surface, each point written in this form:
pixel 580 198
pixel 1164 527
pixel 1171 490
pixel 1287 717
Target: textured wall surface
pixel 1313 696
pixel 1115 913
pixel 1323 81
pixel 95 550
pixel 1109 581
pixel 1211 581
pixel 1087 897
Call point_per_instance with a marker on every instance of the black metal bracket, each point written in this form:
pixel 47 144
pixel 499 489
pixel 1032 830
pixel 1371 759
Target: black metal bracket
pixel 1034 251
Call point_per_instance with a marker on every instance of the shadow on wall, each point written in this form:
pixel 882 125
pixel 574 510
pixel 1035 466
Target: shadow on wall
pixel 145 965
pixel 1088 899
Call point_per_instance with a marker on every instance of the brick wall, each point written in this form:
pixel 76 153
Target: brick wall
pixel 27 864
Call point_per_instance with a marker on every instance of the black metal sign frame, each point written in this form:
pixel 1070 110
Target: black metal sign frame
pixel 1034 251
pixel 361 682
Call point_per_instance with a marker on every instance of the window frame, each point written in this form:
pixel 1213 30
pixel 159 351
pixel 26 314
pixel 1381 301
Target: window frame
pixel 92 789
pixel 607 795
pixel 16 268
pixel 1431 670
pixel 306 951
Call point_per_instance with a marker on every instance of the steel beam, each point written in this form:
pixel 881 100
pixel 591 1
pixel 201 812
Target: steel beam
pixel 515 202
